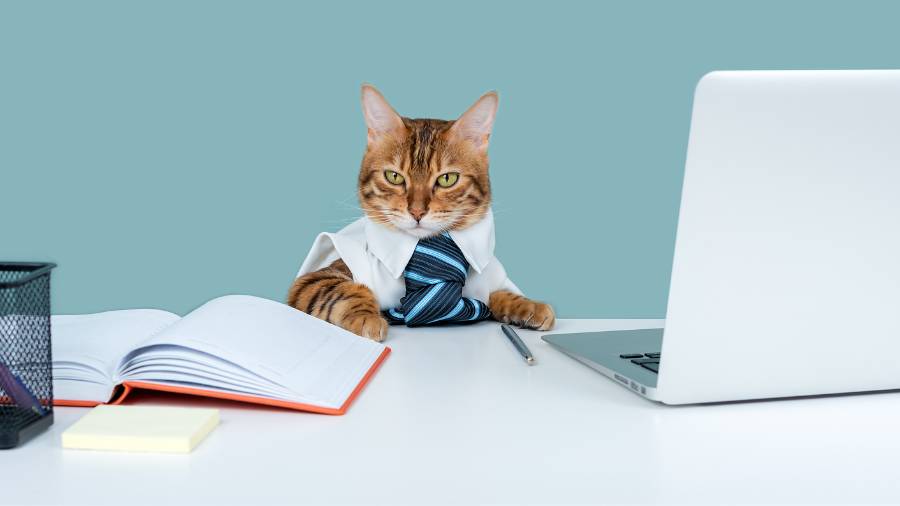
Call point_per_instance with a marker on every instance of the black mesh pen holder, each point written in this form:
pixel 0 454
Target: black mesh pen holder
pixel 26 373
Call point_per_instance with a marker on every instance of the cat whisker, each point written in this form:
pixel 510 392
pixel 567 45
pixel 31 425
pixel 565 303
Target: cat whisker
pixel 343 220
pixel 347 200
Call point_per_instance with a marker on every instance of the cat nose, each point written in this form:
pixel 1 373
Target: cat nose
pixel 418 213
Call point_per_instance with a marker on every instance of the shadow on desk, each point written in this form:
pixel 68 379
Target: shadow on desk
pixel 794 398
pixel 153 398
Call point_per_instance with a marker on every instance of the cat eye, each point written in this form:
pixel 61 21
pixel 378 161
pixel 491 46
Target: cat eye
pixel 447 180
pixel 393 177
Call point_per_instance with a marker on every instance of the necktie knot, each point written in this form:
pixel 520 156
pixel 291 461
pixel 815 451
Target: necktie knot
pixel 434 279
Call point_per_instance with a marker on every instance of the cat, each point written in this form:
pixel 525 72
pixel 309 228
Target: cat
pixel 421 177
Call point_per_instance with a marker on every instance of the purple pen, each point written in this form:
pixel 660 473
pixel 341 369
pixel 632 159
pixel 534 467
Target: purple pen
pixel 18 392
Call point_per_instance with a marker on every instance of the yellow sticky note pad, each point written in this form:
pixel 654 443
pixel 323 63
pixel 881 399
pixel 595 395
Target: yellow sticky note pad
pixel 141 429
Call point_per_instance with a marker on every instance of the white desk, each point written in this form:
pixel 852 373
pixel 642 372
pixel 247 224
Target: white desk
pixel 455 416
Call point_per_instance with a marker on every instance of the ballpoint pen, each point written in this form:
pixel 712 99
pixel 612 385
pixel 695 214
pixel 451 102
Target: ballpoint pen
pixel 518 343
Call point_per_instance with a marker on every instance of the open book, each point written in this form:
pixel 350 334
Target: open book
pixel 234 347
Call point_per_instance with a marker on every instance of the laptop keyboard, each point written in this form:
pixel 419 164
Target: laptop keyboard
pixel 649 361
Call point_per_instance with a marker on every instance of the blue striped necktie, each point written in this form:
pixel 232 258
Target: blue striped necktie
pixel 434 277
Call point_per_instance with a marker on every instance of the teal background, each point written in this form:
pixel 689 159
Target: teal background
pixel 164 153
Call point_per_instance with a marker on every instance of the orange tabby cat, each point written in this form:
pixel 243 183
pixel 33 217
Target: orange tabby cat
pixel 436 181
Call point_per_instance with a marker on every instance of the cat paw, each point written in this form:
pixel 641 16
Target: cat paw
pixel 372 326
pixel 521 311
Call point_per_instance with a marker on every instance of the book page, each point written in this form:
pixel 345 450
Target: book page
pixel 87 348
pixel 289 351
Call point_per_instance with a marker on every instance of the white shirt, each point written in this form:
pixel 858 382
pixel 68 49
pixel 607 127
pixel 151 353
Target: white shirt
pixel 377 256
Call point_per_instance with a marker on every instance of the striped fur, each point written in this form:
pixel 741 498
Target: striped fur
pixel 425 151
pixel 521 311
pixel 331 294
pixel 421 151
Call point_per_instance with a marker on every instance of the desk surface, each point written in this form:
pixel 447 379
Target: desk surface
pixel 455 416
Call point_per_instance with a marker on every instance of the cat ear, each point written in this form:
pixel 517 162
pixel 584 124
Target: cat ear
pixel 476 123
pixel 381 119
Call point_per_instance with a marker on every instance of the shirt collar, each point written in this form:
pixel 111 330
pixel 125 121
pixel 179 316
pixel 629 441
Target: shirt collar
pixel 394 248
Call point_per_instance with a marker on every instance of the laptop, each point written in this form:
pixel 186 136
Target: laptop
pixel 786 273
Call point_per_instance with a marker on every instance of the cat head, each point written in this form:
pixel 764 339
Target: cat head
pixel 425 176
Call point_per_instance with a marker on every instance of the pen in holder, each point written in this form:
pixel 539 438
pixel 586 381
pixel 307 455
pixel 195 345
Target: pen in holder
pixel 26 374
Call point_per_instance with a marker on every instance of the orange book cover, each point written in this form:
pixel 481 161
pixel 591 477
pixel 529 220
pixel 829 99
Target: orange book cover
pixel 121 394
pixel 235 347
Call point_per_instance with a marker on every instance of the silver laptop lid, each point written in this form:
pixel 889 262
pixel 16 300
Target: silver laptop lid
pixel 786 275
